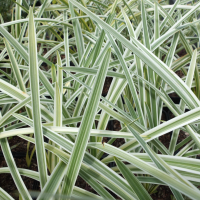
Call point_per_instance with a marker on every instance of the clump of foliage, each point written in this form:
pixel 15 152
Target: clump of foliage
pixel 54 63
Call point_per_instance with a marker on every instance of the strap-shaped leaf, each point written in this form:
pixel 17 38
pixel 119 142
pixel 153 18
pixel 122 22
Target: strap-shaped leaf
pixel 133 181
pixel 4 195
pixel 85 128
pixel 34 84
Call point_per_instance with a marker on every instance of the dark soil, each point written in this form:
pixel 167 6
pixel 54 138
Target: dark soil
pixel 163 193
pixel 106 86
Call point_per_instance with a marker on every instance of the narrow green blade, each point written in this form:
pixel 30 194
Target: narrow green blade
pixel 34 83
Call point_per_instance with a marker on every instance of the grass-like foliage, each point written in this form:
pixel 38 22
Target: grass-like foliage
pixel 54 62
